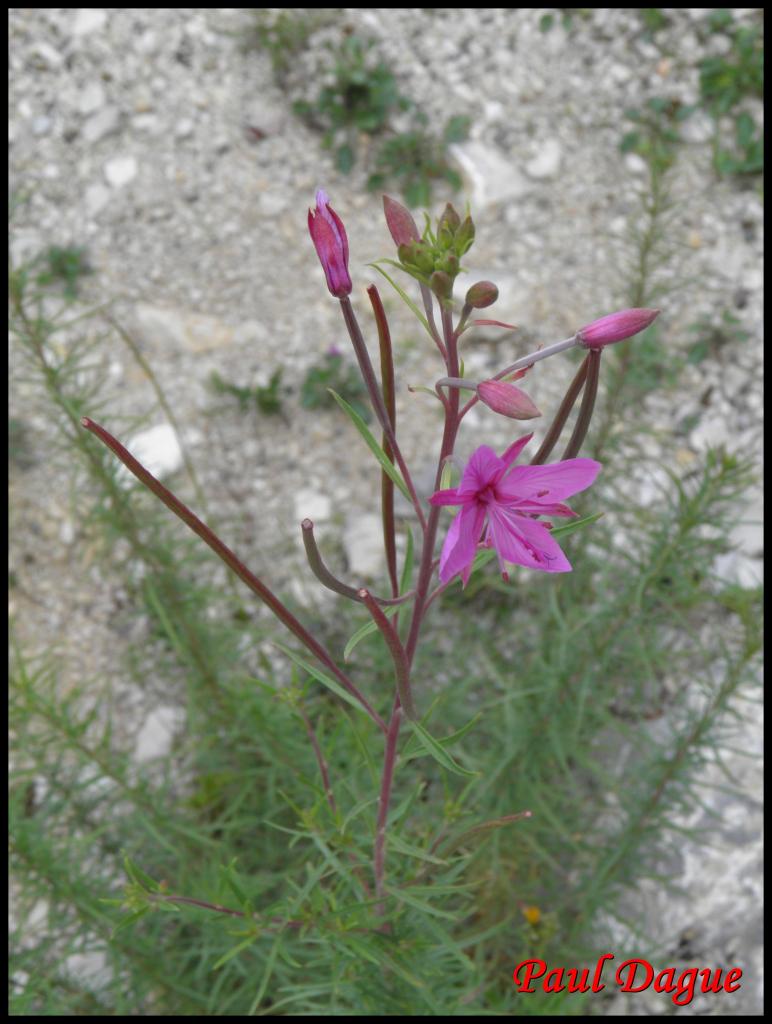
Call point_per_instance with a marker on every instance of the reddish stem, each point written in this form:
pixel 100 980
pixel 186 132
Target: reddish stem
pixel 233 562
pixel 387 484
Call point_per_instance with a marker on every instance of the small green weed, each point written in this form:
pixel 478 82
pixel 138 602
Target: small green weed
pixel 266 398
pixel 64 265
pixel 362 98
pixel 336 374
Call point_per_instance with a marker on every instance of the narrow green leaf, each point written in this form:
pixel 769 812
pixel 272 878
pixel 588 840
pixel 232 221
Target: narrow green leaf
pixel 438 752
pixel 320 677
pixel 234 951
pixel 576 524
pixel 371 443
pixel 412 851
pixel 361 633
pixel 138 876
pixel 403 295
pixel 129 920
pixel 405 896
pixel 446 741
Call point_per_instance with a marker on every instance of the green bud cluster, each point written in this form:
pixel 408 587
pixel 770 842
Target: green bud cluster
pixel 435 259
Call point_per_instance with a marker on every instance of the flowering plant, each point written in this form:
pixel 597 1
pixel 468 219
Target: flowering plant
pixel 506 510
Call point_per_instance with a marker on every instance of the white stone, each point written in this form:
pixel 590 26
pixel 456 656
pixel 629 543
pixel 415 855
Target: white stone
pixel 101 124
pixel 87 20
pixel 546 163
pixel 95 198
pixel 492 176
pixel 363 544
pixel 312 504
pixel 158 449
pixel 92 98
pixel 91 969
pixel 51 56
pixel 184 128
pixel 710 433
pixel 166 327
pixel 120 170
pixel 698 128
pixel 41 125
pixel 273 203
pixel 636 164
pixel 67 532
pixel 156 736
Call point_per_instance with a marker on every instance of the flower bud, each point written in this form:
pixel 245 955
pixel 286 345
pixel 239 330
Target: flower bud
pixel 417 256
pixel 507 400
pixel 329 238
pixel 400 222
pixel 464 236
pixel 441 284
pixel 449 220
pixel 615 327
pixel 482 294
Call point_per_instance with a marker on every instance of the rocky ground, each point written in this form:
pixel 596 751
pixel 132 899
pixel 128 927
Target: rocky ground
pixel 132 133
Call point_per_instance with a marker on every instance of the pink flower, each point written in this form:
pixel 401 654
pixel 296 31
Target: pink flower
pixel 329 237
pixel 507 400
pixel 509 499
pixel 616 327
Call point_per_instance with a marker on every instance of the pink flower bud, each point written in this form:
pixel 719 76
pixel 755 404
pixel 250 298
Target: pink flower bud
pixel 616 327
pixel 329 238
pixel 482 294
pixel 507 400
pixel 400 222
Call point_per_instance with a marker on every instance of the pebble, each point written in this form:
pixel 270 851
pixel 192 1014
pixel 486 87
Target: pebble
pixel 158 449
pixel 156 734
pixel 175 329
pixel 313 505
pixel 184 128
pixel 41 125
pixel 88 20
pixel 363 544
pixel 95 198
pixel 50 56
pixel 120 170
pixel 546 163
pixel 91 98
pixel 101 124
pixel 492 176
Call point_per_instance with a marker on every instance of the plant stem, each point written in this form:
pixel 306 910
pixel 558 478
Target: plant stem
pixel 553 434
pixel 387 484
pixel 327 579
pixel 368 375
pixel 588 404
pixel 281 612
pixel 397 651
pixel 389 761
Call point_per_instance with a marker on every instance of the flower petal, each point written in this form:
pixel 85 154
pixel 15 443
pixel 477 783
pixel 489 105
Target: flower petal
pixel 525 541
pixel 450 497
pixel 460 545
pixel 553 482
pixel 514 449
pixel 484 467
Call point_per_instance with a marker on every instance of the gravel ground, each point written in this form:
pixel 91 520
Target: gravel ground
pixel 130 134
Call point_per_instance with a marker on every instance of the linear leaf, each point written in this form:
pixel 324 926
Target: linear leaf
pixel 361 633
pixel 577 524
pixel 320 676
pixel 403 294
pixel 371 443
pixel 446 741
pixel 438 752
